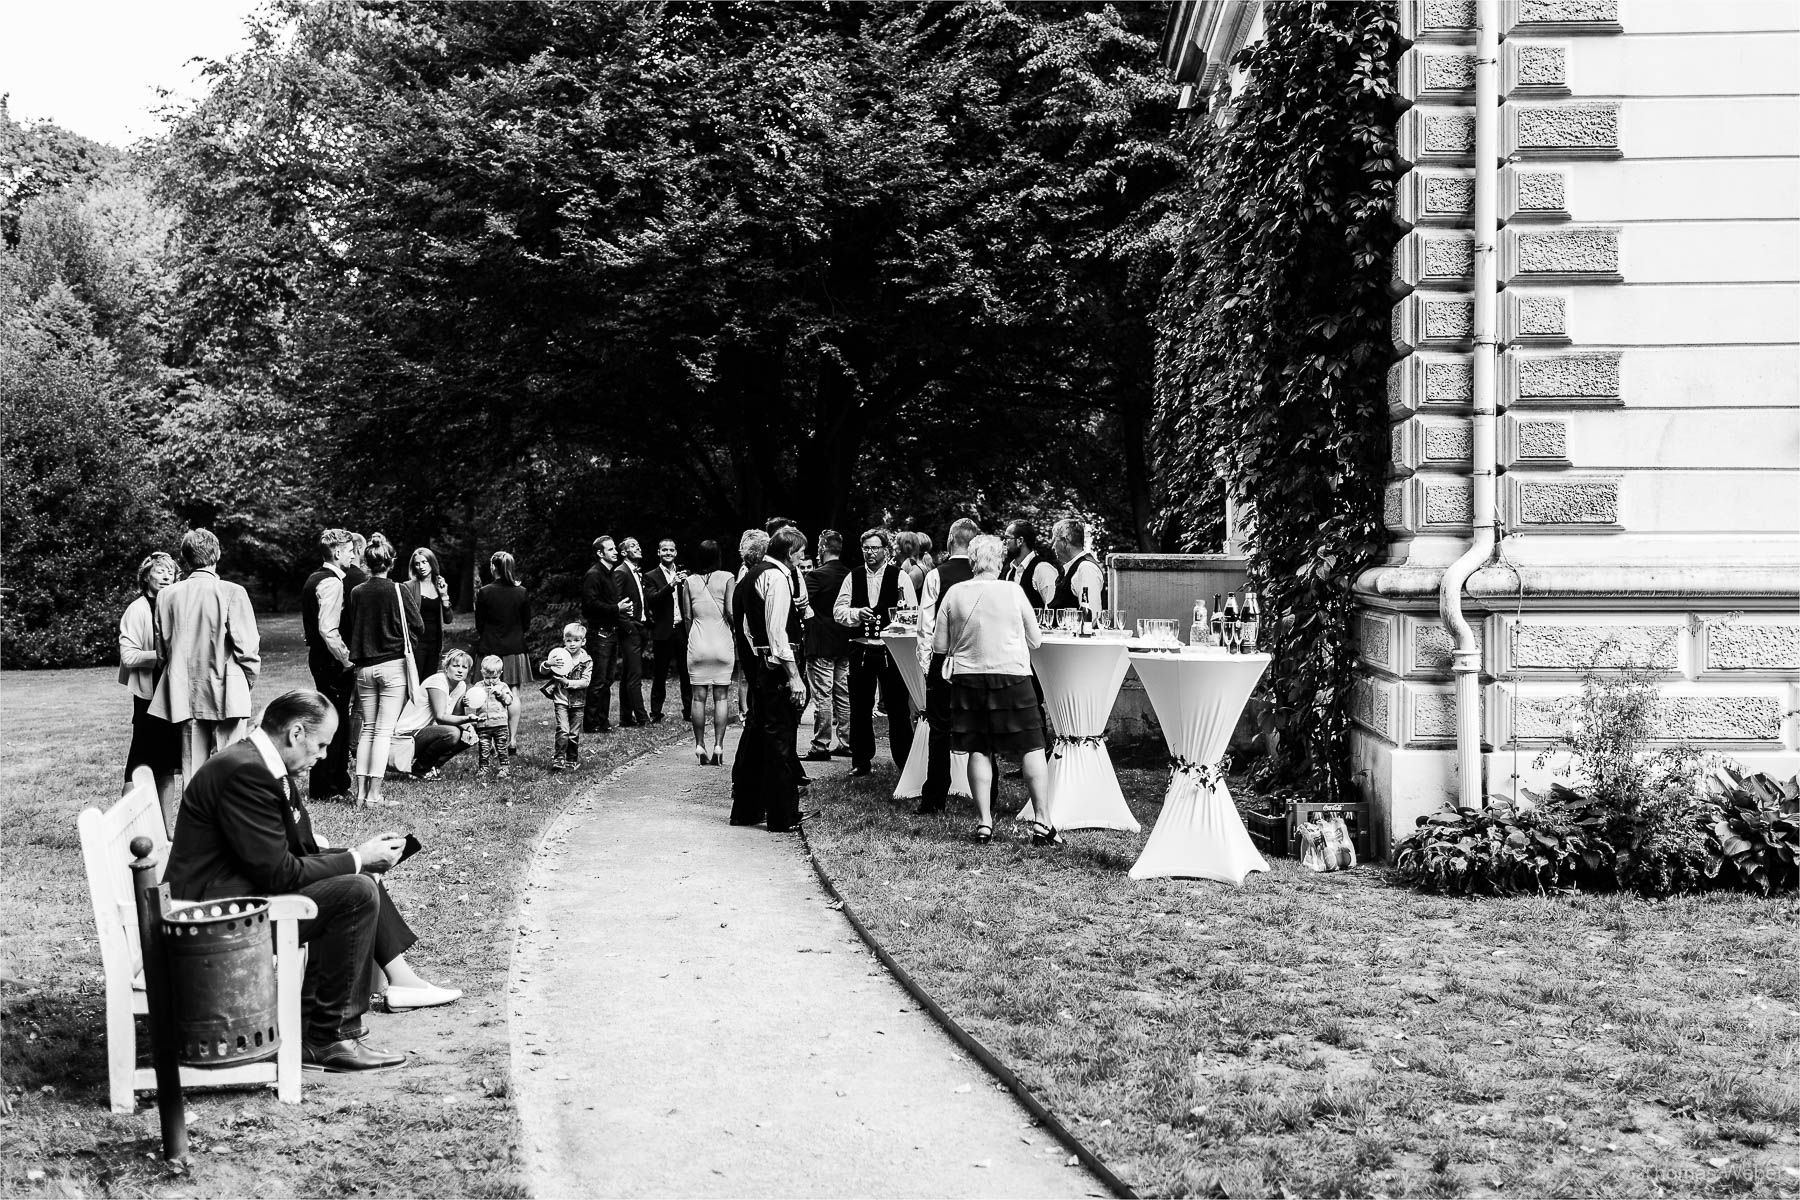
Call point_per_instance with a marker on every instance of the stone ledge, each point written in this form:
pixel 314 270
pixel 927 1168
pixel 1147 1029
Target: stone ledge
pixel 1774 587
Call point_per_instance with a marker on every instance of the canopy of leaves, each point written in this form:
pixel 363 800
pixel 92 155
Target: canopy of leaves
pixel 1271 368
pixel 537 270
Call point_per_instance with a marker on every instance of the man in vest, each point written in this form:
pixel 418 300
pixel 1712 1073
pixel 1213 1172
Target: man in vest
pixel 869 592
pixel 765 776
pixel 954 569
pixel 1081 577
pixel 828 653
pixel 328 656
pixel 1028 564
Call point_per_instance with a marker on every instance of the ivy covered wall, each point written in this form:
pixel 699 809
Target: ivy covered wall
pixel 1275 346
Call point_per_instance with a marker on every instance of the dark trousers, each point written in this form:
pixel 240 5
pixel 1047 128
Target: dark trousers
pixel 633 640
pixel 340 959
pixel 435 745
pixel 330 776
pixel 937 715
pixel 872 669
pixel 765 775
pixel 603 648
pixel 666 655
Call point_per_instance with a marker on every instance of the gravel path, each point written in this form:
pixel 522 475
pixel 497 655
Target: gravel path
pixel 690 1017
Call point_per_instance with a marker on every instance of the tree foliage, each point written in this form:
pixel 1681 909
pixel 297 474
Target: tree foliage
pixel 1275 346
pixel 539 269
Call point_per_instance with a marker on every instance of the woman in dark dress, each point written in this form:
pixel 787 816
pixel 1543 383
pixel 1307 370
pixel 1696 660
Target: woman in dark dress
pixel 425 580
pixel 502 615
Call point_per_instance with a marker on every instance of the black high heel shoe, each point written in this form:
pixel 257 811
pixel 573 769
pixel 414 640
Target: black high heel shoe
pixel 1045 835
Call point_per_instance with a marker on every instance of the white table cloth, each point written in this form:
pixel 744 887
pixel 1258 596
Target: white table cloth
pixel 1081 678
pixel 1198 695
pixel 904 647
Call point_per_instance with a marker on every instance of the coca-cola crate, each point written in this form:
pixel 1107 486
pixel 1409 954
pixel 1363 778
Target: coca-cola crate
pixel 1268 830
pixel 1356 818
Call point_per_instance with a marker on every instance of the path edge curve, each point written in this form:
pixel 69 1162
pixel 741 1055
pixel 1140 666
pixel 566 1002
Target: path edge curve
pixel 962 1037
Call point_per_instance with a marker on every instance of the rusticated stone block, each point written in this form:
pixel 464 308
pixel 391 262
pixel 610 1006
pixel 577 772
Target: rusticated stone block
pixel 1446 443
pixel 1543 439
pixel 1537 69
pixel 1434 260
pixel 1541 195
pixel 1721 718
pixel 1433 716
pixel 1432 644
pixel 1534 318
pixel 1437 136
pixel 1752 646
pixel 1375 640
pixel 1565 16
pixel 1430 383
pixel 1432 322
pixel 1444 20
pixel 1585 501
pixel 1430 76
pixel 1372 706
pixel 1577 647
pixel 1561 130
pixel 1393 509
pixel 1397 464
pixel 1441 198
pixel 1585 378
pixel 1581 254
pixel 1447 503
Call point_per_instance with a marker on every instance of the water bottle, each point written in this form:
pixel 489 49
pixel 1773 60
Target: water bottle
pixel 1200 631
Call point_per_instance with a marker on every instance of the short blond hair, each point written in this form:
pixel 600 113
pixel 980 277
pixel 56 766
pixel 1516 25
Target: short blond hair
pixel 576 628
pixel 986 553
pixel 492 663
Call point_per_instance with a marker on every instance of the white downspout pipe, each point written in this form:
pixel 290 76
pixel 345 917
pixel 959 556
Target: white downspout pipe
pixel 1465 654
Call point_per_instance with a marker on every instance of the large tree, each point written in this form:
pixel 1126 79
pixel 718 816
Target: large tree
pixel 555 266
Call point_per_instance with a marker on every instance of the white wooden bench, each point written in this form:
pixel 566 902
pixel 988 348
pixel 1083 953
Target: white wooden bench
pixel 106 847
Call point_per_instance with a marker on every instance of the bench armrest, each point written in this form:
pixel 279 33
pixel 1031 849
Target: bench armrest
pixel 292 908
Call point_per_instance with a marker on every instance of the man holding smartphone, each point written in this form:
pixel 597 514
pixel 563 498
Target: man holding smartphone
pixel 245 831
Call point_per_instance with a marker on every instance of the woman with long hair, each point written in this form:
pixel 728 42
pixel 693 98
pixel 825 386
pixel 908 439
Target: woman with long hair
pixel 155 743
pixel 710 656
pixel 906 557
pixel 384 617
pixel 986 630
pixel 425 580
pixel 502 617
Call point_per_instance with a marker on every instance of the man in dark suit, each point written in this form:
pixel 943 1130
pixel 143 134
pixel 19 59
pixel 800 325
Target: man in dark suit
pixel 245 831
pixel 634 633
pixel 323 618
pixel 666 603
pixel 600 613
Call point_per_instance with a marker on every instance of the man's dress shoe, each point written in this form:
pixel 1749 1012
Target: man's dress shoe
pixel 430 996
pixel 818 756
pixel 860 772
pixel 348 1055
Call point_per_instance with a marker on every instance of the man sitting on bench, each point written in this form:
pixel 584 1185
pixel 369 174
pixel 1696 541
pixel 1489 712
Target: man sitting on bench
pixel 244 831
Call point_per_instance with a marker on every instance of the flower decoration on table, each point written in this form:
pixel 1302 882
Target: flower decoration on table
pixel 1061 740
pixel 1208 774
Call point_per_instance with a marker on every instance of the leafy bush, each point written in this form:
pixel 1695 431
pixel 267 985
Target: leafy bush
pixel 1755 831
pixel 1496 851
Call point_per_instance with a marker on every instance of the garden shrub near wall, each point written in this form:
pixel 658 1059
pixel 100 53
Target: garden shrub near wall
pixel 1275 347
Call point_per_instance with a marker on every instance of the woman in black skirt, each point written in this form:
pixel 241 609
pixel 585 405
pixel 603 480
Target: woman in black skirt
pixel 986 630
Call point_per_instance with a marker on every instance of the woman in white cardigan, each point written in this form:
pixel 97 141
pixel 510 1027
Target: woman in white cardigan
pixel 154 742
pixel 986 630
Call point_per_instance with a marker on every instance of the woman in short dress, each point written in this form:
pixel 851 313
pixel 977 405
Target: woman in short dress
pixel 710 656
pixel 154 742
pixel 986 630
pixel 502 615
pixel 425 580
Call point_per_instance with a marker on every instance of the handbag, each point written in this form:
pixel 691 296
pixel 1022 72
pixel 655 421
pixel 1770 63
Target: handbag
pixel 415 687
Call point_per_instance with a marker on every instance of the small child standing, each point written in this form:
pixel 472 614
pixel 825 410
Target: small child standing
pixel 571 670
pixel 490 701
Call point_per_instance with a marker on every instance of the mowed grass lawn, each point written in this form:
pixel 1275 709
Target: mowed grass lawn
pixel 443 1125
pixel 1327 1035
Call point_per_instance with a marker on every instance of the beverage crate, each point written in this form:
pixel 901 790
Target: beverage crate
pixel 1356 818
pixel 1268 830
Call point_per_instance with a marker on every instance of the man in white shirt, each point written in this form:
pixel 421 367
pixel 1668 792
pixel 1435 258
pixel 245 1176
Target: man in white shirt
pixel 954 569
pixel 665 603
pixel 1081 577
pixel 864 597
pixel 765 775
pixel 1029 564
pixel 634 634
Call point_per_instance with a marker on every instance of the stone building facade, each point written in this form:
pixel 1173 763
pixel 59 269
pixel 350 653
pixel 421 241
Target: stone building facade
pixel 1648 274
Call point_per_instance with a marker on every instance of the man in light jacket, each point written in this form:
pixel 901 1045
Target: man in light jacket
pixel 211 654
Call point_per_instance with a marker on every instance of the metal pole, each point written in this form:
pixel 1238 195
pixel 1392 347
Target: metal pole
pixel 152 902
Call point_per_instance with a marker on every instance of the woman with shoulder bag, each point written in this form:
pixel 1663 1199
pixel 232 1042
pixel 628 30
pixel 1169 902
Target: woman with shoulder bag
pixel 384 622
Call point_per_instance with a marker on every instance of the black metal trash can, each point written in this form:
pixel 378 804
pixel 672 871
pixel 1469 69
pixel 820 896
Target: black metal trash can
pixel 221 957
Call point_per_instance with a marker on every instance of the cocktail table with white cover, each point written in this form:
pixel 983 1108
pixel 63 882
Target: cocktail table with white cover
pixel 904 647
pixel 1081 678
pixel 1198 695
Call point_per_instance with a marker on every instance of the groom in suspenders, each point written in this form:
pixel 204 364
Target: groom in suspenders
pixel 871 590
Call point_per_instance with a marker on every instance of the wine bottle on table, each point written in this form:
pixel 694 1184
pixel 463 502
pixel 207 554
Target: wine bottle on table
pixel 1252 622
pixel 1218 622
pixel 1087 616
pixel 1231 622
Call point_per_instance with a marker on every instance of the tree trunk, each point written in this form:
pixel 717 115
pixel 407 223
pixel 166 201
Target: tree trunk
pixel 1133 428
